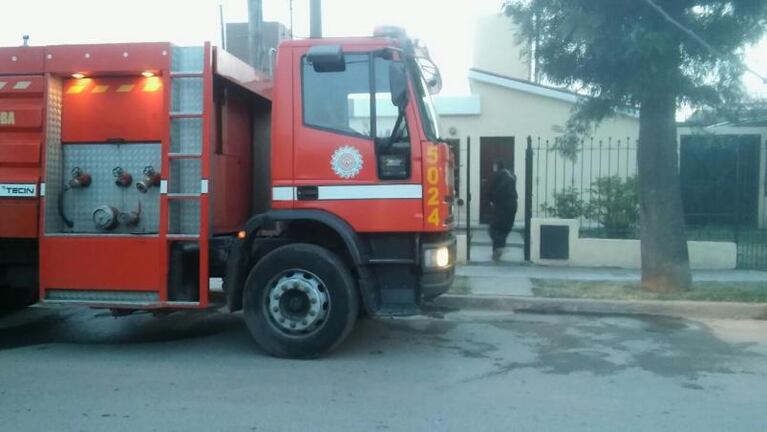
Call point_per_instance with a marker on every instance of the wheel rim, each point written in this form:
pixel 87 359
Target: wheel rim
pixel 297 302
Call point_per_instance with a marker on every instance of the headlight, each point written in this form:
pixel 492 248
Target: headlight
pixel 436 258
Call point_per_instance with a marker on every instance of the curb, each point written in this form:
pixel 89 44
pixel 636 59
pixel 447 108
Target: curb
pixel 682 309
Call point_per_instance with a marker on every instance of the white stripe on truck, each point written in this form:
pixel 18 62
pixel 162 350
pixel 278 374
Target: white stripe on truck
pixel 283 193
pixel 353 192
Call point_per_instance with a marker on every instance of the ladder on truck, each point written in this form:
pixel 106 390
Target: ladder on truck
pixel 186 160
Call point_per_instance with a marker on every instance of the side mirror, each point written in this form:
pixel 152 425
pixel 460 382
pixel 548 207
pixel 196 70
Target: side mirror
pixel 327 58
pixel 398 84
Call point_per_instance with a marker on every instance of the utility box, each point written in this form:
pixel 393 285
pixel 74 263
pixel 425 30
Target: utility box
pixel 555 242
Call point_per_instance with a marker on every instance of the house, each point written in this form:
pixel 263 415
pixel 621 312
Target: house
pixel 505 106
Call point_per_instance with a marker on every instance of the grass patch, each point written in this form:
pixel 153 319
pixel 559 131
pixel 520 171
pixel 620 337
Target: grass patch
pixel 747 292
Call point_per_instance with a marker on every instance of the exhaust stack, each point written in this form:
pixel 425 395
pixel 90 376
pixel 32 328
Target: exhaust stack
pixel 315 23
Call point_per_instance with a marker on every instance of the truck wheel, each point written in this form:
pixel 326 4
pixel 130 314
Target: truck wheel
pixel 300 301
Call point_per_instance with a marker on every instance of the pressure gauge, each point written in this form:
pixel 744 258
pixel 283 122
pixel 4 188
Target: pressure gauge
pixel 105 217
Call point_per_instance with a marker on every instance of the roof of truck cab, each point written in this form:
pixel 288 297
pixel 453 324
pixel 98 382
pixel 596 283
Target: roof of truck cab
pixel 365 42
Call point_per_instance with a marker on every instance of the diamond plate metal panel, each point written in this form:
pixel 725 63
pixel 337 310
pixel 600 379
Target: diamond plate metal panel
pixel 184 217
pixel 188 59
pixel 53 184
pixel 186 135
pixel 99 160
pixel 187 96
pixel 184 176
pixel 102 296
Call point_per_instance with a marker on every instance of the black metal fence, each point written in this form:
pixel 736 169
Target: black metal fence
pixel 720 177
pixel 594 181
pixel 575 181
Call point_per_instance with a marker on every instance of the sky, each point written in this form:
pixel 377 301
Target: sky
pixel 446 26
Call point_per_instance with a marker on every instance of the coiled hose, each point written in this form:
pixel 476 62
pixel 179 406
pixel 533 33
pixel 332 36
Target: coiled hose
pixel 63 216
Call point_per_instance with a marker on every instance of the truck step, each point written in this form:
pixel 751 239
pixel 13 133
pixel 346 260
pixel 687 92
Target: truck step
pixel 111 297
pixel 397 302
pixel 399 310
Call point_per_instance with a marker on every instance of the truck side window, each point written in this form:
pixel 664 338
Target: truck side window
pixel 338 101
pixel 386 111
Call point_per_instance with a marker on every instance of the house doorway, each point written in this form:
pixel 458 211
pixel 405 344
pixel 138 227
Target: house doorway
pixel 492 149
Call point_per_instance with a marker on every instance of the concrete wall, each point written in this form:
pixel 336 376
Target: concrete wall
pixel 507 112
pixel 589 252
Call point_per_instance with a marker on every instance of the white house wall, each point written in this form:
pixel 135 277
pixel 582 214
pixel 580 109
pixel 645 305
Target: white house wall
pixel 495 49
pixel 507 112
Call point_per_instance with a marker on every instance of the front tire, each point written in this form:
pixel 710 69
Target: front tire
pixel 300 301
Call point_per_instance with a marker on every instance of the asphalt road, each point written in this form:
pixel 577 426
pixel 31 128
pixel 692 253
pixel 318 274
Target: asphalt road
pixel 76 369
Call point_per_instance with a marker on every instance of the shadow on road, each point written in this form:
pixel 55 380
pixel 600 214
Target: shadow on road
pixel 36 326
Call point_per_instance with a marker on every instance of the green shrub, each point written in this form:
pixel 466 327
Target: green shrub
pixel 567 205
pixel 614 204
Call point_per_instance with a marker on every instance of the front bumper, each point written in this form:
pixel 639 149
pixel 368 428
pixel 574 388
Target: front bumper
pixel 438 280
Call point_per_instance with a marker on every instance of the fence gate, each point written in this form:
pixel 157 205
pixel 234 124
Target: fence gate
pixel 720 193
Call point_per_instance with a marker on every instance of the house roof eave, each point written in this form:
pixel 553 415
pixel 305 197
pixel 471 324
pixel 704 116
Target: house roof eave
pixel 536 89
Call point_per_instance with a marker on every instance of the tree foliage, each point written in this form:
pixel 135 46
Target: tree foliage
pixel 750 112
pixel 610 49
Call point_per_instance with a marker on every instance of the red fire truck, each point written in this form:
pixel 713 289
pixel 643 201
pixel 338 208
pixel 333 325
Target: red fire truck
pixel 132 174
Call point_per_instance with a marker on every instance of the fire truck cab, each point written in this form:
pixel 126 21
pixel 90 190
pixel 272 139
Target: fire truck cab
pixel 132 174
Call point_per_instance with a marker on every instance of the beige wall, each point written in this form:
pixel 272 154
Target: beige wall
pixel 507 112
pixel 589 252
pixel 495 49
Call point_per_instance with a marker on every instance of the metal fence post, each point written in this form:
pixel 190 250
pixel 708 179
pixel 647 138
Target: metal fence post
pixel 528 194
pixel 738 184
pixel 468 198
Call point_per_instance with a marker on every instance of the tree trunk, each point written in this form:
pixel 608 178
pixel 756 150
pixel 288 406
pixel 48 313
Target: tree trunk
pixel 665 259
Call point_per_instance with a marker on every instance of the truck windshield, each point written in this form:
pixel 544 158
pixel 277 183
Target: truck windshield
pixel 343 101
pixel 425 103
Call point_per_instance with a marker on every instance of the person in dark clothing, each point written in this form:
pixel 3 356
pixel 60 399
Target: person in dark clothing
pixel 503 199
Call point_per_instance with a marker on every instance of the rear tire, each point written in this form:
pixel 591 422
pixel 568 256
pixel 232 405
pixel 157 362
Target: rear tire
pixel 300 301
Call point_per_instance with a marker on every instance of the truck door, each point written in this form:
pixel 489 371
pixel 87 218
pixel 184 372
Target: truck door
pixel 337 167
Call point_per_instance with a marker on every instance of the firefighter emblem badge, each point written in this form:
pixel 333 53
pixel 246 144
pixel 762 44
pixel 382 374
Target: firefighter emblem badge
pixel 346 162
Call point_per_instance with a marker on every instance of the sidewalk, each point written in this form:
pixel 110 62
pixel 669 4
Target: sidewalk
pixel 501 278
pixel 509 286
